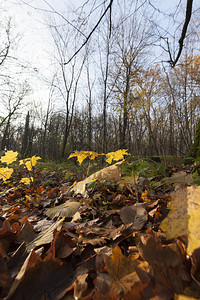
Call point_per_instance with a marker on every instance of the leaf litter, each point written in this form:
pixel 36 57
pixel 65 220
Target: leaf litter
pixel 114 239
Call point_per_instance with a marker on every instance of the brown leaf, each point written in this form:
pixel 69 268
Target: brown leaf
pixel 26 234
pixel 135 214
pixel 80 286
pixel 62 246
pixel 45 237
pixel 38 277
pixel 5 279
pixel 67 209
pixel 166 262
pixel 119 265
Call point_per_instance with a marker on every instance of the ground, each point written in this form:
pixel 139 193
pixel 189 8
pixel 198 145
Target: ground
pixel 110 241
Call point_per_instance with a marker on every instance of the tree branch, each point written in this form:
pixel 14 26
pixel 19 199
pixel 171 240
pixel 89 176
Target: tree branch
pixel 92 31
pixel 184 30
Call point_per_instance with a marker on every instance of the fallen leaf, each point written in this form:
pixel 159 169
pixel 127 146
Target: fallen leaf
pixel 26 180
pixel 38 277
pixel 119 265
pixel 45 237
pixel 144 196
pixel 62 246
pixel 184 216
pixel 122 269
pixel 80 286
pixel 67 209
pixel 131 180
pixel 166 262
pixel 135 214
pixel 26 234
pixel 111 174
pixel 5 173
pixel 178 178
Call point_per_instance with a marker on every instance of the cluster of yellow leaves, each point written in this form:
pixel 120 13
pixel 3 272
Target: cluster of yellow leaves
pixel 117 155
pixel 10 157
pixel 29 163
pixel 82 155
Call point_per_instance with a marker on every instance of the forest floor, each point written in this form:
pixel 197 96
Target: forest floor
pixel 117 235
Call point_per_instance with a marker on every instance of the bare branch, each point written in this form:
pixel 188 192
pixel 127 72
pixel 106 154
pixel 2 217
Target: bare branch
pixel 184 30
pixel 92 31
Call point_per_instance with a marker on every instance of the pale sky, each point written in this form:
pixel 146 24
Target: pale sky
pixel 35 43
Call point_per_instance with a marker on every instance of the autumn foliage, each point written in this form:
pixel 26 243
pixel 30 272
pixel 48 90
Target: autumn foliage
pixel 109 236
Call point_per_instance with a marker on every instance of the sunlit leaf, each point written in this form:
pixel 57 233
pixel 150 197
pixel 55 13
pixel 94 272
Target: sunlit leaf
pixel 34 160
pixel 29 162
pixel 117 155
pixel 184 217
pixel 82 155
pixel 9 157
pixel 5 173
pixel 26 180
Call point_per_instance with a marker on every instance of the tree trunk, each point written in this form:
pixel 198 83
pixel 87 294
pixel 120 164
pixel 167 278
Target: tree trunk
pixel 194 151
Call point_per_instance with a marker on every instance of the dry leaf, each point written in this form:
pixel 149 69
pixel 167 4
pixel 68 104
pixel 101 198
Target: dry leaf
pixel 135 214
pixel 122 269
pixel 38 277
pixel 184 217
pixel 119 265
pixel 67 209
pixel 45 237
pixel 111 174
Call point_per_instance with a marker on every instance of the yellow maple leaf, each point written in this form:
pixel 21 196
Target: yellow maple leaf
pixel 117 155
pixel 5 173
pixel 26 180
pixel 82 155
pixel 184 216
pixel 9 157
pixel 34 160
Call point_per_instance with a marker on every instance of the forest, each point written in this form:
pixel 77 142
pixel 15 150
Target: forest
pixel 99 150
pixel 119 91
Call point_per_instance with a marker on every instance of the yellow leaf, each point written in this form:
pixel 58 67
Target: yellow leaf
pixel 9 157
pixel 81 155
pixel 184 216
pixel 34 160
pixel 144 196
pixel 5 173
pixel 29 162
pixel 26 180
pixel 117 155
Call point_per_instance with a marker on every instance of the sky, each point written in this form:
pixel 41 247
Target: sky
pixel 36 41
